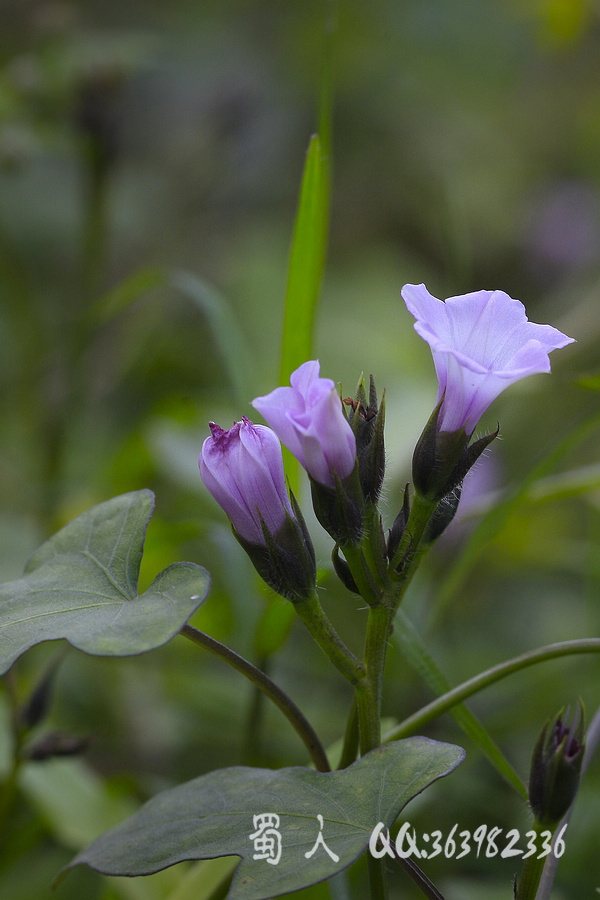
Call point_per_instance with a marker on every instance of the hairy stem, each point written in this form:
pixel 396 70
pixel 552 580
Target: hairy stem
pixel 311 613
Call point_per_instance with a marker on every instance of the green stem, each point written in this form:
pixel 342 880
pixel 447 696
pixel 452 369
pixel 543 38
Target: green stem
pixel 377 879
pixel 287 706
pixel 8 790
pixel 311 613
pixel 531 872
pixel 484 679
pixel 350 748
pixel 412 548
pixel 362 575
pixel 369 695
pixel 419 877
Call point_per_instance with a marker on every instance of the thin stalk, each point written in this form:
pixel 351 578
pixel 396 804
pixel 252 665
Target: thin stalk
pixel 287 706
pixel 311 613
pixel 409 549
pixel 8 790
pixel 377 878
pixel 254 722
pixel 419 877
pixel 531 872
pixel 362 575
pixel 484 679
pixel 368 704
pixel 350 748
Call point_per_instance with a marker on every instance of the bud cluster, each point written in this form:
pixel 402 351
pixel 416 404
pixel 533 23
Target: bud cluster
pixel 481 342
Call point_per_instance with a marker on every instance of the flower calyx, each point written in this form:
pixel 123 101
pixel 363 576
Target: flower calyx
pixel 287 560
pixel 398 528
pixel 441 459
pixel 342 570
pixel 340 509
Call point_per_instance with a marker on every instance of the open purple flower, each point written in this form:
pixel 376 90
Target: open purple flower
pixel 308 418
pixel 243 470
pixel 481 343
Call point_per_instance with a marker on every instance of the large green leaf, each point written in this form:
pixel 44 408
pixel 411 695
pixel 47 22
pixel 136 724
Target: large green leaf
pixel 82 585
pixel 214 815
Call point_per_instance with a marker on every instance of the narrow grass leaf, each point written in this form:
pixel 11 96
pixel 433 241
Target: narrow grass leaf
pixel 418 656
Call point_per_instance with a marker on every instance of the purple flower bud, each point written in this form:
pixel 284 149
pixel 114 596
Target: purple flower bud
pixel 481 343
pixel 243 470
pixel 556 767
pixel 308 418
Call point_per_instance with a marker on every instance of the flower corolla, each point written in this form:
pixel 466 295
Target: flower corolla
pixel 243 470
pixel 481 343
pixel 308 418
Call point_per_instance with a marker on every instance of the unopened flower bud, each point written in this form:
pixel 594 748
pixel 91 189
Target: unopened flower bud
pixel 339 509
pixel 555 768
pixel 243 470
pixel 367 421
pixel 309 419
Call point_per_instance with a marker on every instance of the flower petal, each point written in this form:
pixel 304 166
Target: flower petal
pixel 481 342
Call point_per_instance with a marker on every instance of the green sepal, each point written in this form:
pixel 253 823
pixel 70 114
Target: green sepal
pixel 435 458
pixel 340 509
pixel 470 457
pixel 287 561
pixel 442 458
pixel 397 530
pixel 342 570
pixel 302 523
pixel 443 515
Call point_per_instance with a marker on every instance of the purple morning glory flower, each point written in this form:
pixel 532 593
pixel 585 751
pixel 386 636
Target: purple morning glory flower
pixel 481 343
pixel 308 418
pixel 243 470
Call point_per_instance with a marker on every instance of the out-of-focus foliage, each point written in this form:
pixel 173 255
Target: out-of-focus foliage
pixel 160 146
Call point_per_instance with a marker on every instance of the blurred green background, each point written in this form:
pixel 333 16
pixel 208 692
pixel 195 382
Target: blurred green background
pixel 150 161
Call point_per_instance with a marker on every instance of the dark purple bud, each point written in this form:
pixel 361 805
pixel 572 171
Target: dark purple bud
pixel 556 766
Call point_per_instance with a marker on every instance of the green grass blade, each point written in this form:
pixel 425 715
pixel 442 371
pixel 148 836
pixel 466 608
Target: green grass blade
pixel 128 291
pixel 307 260
pixel 495 519
pixel 419 657
pixel 225 329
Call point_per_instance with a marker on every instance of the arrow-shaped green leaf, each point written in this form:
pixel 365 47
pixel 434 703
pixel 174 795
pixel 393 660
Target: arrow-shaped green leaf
pixel 82 585
pixel 214 815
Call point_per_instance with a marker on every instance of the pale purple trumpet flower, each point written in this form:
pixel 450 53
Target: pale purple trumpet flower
pixel 481 343
pixel 308 418
pixel 243 470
